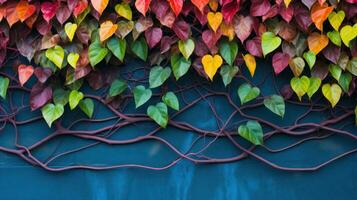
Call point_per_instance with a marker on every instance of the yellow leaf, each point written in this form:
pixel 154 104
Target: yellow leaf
pixel 72 59
pixel 336 19
pixel 332 93
pixel 228 30
pixel 211 64
pixel 70 30
pixel 214 20
pixel 106 30
pixel 250 62
pixel 348 33
pixel 287 2
pixel 317 42
pixel 124 10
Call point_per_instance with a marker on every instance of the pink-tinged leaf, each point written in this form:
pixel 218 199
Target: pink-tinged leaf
pixel 201 16
pixel 308 3
pixel 49 10
pixel 182 29
pixel 187 8
pixel 163 13
pixel 200 48
pixel 71 4
pixel 302 18
pixel 243 26
pixel 332 53
pixel 351 1
pixel 176 6
pixel 80 7
pixel 280 62
pixel 142 6
pixel 254 47
pixel 259 7
pixel 81 71
pixel 210 38
pixel 25 73
pixel 42 74
pixel 286 13
pixel 273 11
pixel 165 44
pixel 43 27
pixel 153 36
pixel 230 9
pixel 63 14
pixel 40 95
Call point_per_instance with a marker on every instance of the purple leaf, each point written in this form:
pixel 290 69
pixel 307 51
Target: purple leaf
pixel 40 95
pixel 280 62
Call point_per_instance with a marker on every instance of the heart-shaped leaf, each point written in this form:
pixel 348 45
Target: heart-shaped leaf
pixel 228 72
pixel 317 42
pixel 24 10
pixel 332 93
pixel 158 75
pixel 247 93
pixel 252 131
pixel 186 47
pixel 334 37
pixel 179 65
pixel 280 62
pixel 348 33
pixel 124 28
pixel 87 106
pixel 276 104
pixel 314 85
pixel 96 53
pixel 141 95
pixel 300 85
pixel 335 71
pixel 200 4
pixel 270 42
pixel 336 19
pixel 123 9
pixel 140 48
pixel 344 81
pixel 142 6
pixel 70 30
pixel 25 73
pixel 250 63
pixel 319 14
pixel 74 98
pixel 214 20
pixel 117 87
pixel 60 96
pixel 153 36
pixel 56 55
pixel 99 5
pixel 171 100
pixel 118 47
pixel 159 114
pixel 229 51
pixel 310 58
pixel 4 84
pixel 211 64
pixel 297 65
pixel 106 30
pixel 51 112
pixel 72 59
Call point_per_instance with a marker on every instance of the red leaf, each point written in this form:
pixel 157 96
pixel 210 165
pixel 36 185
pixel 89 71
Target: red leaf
pixel 163 13
pixel 49 10
pixel 254 47
pixel 230 9
pixel 210 38
pixel 201 16
pixel 153 36
pixel 280 62
pixel 80 7
pixel 243 26
pixel 182 29
pixel 286 13
pixel 200 4
pixel 25 73
pixel 259 7
pixel 42 74
pixel 176 6
pixel 39 96
pixel 273 11
pixel 142 6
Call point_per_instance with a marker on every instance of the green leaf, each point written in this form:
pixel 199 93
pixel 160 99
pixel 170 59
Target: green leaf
pixel 228 51
pixel 332 93
pixel 247 93
pixel 310 58
pixel 186 47
pixel 141 95
pixel 336 19
pixel 297 65
pixel 275 103
pixel 159 114
pixel 335 71
pixel 314 85
pixel 123 9
pixel 252 131
pixel 334 37
pixel 352 66
pixel 56 55
pixel 171 100
pixel 117 87
pixel 83 15
pixel 270 42
pixel 96 53
pixel 60 96
pixel 300 85
pixel 4 84
pixel 179 65
pixel 344 81
pixel 87 106
pixel 140 48
pixel 72 59
pixel 117 46
pixel 74 98
pixel 228 72
pixel 158 75
pixel 51 112
pixel 70 30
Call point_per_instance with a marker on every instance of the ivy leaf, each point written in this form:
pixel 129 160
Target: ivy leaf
pixel 117 46
pixel 117 87
pixel 344 81
pixel 336 19
pixel 87 106
pixel 51 112
pixel 99 5
pixel 142 6
pixel 352 66
pixel 106 30
pixel 200 4
pixel 56 55
pixel 4 84
pixel 247 93
pixel 158 75
pixel 211 64
pixel 334 37
pixel 159 114
pixel 332 93
pixel 176 6
pixel 72 59
pixel 186 47
pixel 123 9
pixel 310 58
pixel 170 99
pixel 252 131
pixel 275 103
pixel 25 73
pixel 96 53
pixel 270 42
pixel 179 65
pixel 70 30
pixel 140 48
pixel 250 63
pixel 214 20
pixel 297 65
pixel 300 85
pixel 60 96
pixel 314 85
pixel 335 71
pixel 348 33
pixel 74 98
pixel 317 42
pixel 229 51
pixel 153 36
pixel 141 95
pixel 319 14
pixel 280 62
pixel 228 72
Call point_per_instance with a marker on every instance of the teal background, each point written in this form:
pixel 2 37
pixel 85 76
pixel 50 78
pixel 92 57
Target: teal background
pixel 246 179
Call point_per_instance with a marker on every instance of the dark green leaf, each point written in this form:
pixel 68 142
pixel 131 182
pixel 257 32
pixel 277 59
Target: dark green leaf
pixel 140 48
pixel 87 106
pixel 117 46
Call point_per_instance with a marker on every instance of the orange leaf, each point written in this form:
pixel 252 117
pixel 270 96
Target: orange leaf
pixel 176 6
pixel 227 30
pixel 317 42
pixel 142 6
pixel 24 10
pixel 25 72
pixel 319 14
pixel 200 4
pixel 251 63
pixel 106 30
pixel 2 12
pixel 99 5
pixel 11 15
pixel 213 4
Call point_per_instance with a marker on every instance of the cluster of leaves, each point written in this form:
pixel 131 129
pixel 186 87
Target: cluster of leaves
pixel 68 39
